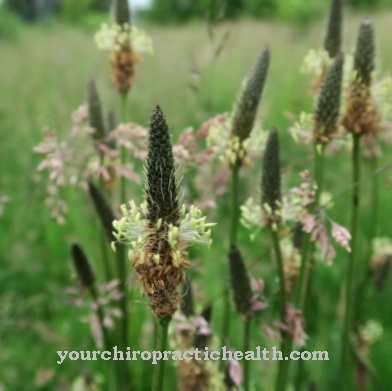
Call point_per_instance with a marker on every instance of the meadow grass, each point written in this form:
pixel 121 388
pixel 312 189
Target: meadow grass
pixel 43 77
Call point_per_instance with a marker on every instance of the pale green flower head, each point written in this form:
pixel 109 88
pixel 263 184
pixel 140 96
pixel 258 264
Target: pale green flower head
pixel 315 61
pixel 382 245
pixel 371 331
pixel 111 37
pixel 228 148
pixel 135 229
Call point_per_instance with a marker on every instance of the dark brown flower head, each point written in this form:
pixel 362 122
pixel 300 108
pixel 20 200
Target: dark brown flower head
pixel 187 306
pixel 123 66
pixel 333 37
pixel 122 13
pixel 240 283
pixel 328 105
pixel 270 182
pixel 82 266
pixel 95 110
pixel 103 210
pixel 364 56
pixel 248 102
pixel 161 185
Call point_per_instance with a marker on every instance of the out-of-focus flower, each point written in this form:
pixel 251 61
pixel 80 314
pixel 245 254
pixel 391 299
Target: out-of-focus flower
pixel 111 36
pixel 227 148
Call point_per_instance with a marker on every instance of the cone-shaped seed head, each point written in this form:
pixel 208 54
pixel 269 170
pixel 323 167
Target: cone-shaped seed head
pixel 328 105
pixel 187 306
pixel 82 266
pixel 364 56
pixel 161 186
pixel 240 283
pixel 95 111
pixel 333 37
pixel 270 182
pixel 103 210
pixel 248 103
pixel 122 13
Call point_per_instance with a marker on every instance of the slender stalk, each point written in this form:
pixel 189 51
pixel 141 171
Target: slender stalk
pixel 234 217
pixel 121 254
pixel 123 194
pixel 282 307
pixel 234 204
pixel 163 326
pixel 306 252
pixel 94 294
pixel 363 285
pixel 247 328
pixel 306 244
pixel 352 259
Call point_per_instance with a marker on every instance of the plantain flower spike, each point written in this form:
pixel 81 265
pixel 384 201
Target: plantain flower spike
pixel 103 210
pixel 362 116
pixel 82 266
pixel 245 112
pixel 328 105
pixel 122 14
pixel 240 283
pixel 95 111
pixel 159 231
pixel 364 57
pixel 333 37
pixel 270 182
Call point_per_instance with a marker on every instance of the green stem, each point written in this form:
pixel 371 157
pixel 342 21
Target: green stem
pixel 94 294
pixel 363 285
pixel 123 152
pixel 247 328
pixel 306 252
pixel 234 217
pixel 234 204
pixel 352 258
pixel 121 255
pixel 157 384
pixel 282 306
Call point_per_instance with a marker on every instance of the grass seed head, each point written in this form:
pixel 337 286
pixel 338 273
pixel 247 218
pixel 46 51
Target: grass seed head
pixel 271 181
pixel 103 210
pixel 95 110
pixel 364 56
pixel 161 186
pixel 245 112
pixel 240 283
pixel 82 266
pixel 123 66
pixel 122 13
pixel 333 37
pixel 328 105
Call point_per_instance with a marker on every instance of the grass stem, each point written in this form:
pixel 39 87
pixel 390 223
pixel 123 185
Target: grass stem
pixel 234 217
pixel 352 259
pixel 247 335
pixel 163 326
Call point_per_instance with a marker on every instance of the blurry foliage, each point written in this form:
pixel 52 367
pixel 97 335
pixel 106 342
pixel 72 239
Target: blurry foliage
pixel 169 11
pixel 9 24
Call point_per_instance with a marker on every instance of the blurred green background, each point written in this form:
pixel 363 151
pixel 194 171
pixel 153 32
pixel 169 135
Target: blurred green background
pixel 48 54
